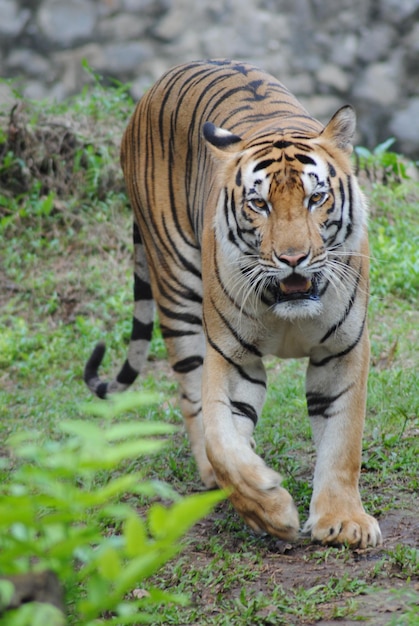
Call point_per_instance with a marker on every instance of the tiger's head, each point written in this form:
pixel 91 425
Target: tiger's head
pixel 290 212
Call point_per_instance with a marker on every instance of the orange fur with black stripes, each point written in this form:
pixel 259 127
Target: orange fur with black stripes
pixel 250 238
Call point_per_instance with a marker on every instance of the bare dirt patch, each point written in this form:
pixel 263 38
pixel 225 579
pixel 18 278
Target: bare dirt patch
pixel 303 566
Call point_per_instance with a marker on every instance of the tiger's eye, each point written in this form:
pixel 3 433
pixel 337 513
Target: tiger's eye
pixel 259 204
pixel 316 197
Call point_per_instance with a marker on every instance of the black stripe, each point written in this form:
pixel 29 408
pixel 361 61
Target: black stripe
pixel 197 410
pixel 169 333
pixel 344 352
pixel 318 404
pixel 332 170
pixel 242 408
pixel 348 309
pixel 263 164
pixel 254 86
pixel 342 193
pixel 173 193
pixel 141 330
pixel 142 289
pixel 337 223
pixel 239 177
pixel 94 362
pixel 306 160
pixel 282 144
pixel 188 365
pixel 102 390
pixel 333 205
pixel 236 236
pixel 136 235
pixel 349 220
pixel 187 293
pixel 164 293
pixel 350 201
pixel 174 248
pixel 236 366
pixel 127 374
pixel 247 346
pixel 187 318
pixel 241 92
pixel 230 209
pixel 169 289
pixel 172 78
pixel 153 234
pixel 171 83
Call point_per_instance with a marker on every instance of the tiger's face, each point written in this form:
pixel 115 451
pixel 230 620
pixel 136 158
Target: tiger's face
pixel 288 219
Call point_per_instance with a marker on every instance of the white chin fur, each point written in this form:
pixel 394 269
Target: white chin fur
pixel 297 309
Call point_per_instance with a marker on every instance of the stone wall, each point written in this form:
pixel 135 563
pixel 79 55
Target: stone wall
pixel 328 52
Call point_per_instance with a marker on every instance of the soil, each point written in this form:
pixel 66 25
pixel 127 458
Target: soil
pixel 388 592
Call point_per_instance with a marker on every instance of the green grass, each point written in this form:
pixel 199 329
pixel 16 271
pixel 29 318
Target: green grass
pixel 65 277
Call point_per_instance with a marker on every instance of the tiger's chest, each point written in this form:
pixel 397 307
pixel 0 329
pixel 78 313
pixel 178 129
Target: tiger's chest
pixel 263 333
pixel 286 340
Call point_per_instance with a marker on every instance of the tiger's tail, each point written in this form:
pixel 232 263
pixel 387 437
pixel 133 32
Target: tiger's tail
pixel 141 333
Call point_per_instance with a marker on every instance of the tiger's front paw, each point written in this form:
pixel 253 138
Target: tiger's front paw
pixel 257 496
pixel 207 475
pixel 358 530
pixel 273 512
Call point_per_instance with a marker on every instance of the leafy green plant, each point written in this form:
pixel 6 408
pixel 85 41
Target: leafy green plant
pixel 68 507
pixel 380 163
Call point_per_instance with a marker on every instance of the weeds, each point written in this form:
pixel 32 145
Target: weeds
pixel 405 560
pixel 381 163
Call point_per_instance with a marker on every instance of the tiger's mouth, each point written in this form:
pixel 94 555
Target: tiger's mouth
pixel 296 287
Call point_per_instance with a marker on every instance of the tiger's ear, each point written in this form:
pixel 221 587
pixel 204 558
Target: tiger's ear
pixel 341 129
pixel 220 137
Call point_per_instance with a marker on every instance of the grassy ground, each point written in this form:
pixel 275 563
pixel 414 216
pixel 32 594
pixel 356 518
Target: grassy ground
pixel 65 282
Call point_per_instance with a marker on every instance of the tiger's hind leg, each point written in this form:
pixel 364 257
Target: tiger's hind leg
pixel 191 407
pixel 142 329
pixel 179 303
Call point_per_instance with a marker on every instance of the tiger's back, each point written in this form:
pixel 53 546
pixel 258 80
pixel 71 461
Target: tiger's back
pixel 250 237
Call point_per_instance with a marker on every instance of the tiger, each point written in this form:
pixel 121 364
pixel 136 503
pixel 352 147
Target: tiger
pixel 250 240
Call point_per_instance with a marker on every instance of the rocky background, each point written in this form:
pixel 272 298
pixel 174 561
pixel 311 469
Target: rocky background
pixel 328 52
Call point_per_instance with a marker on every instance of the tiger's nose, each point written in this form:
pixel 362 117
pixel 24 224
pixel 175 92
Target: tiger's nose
pixel 293 259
